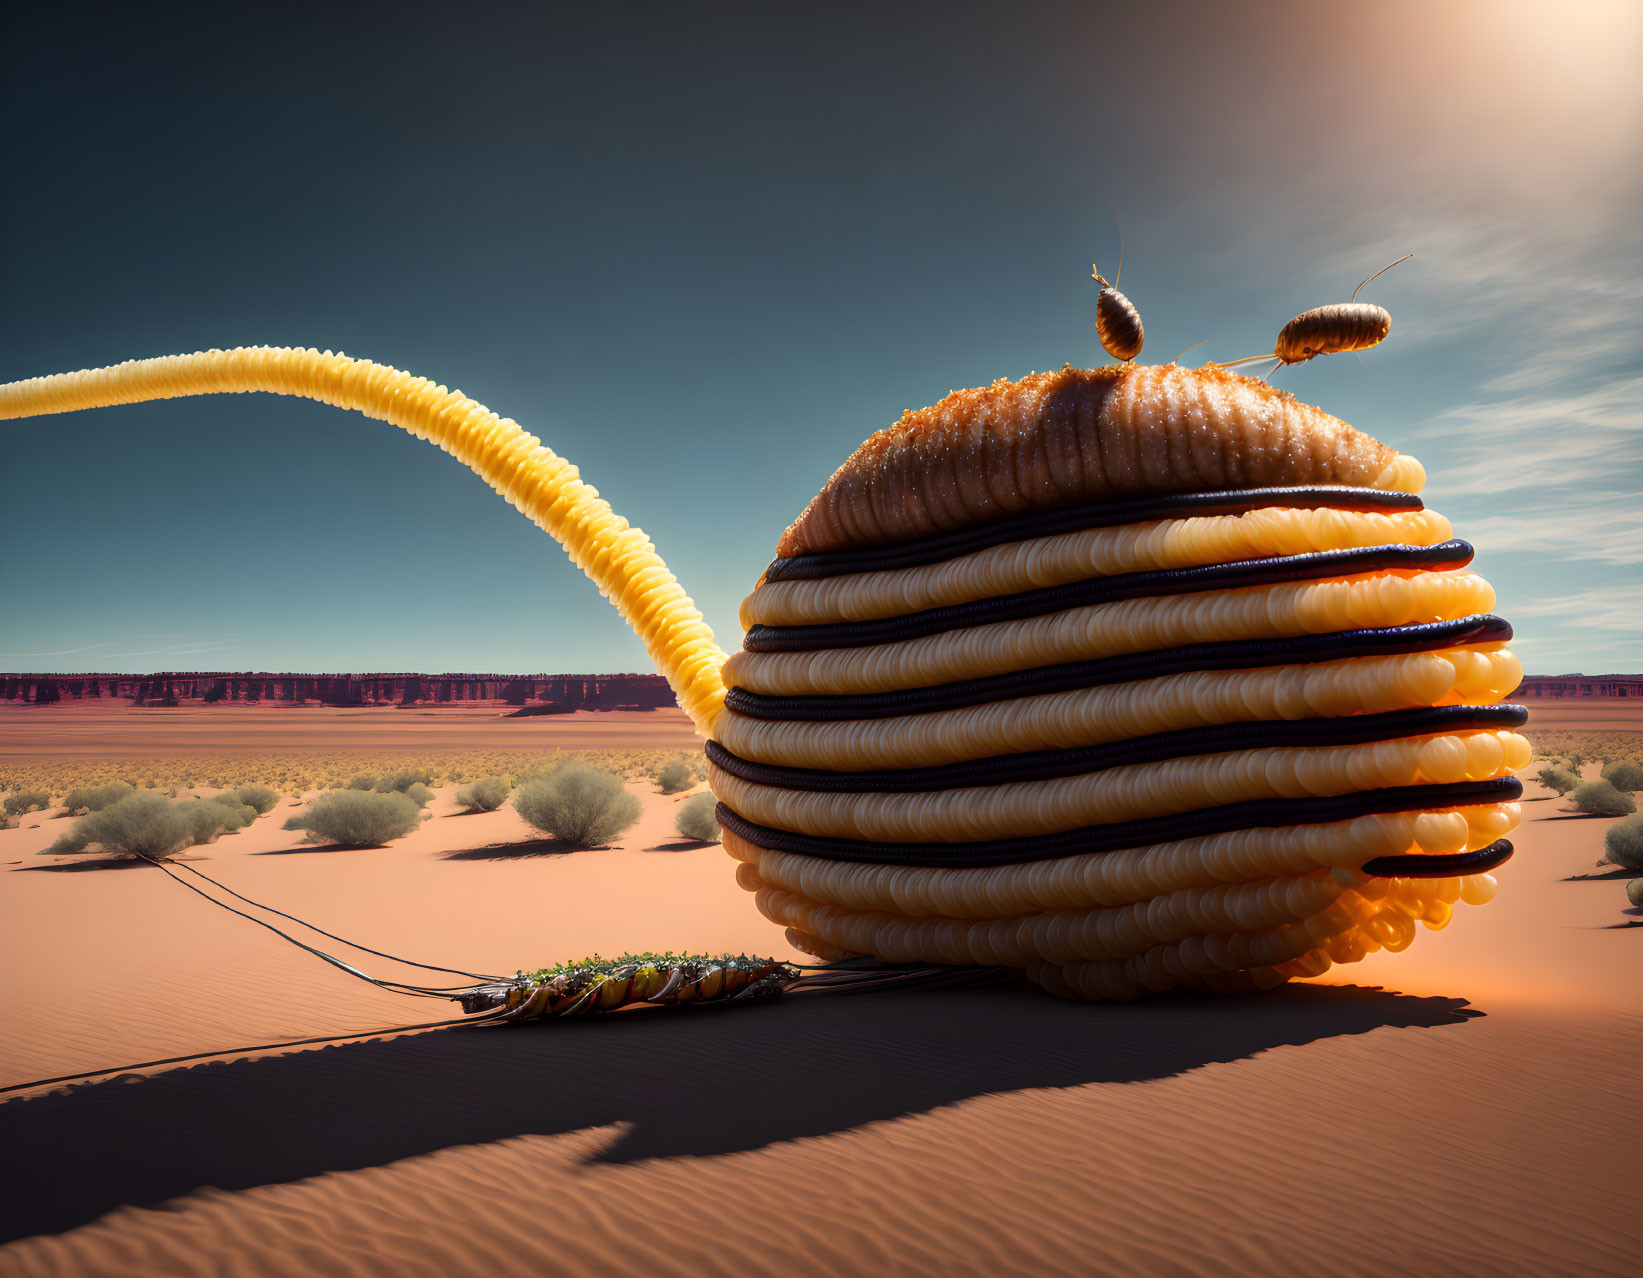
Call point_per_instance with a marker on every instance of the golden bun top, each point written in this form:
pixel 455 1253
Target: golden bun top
pixel 1079 436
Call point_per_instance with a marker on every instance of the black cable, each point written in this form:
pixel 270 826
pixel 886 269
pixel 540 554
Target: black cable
pixel 395 987
pixel 1139 832
pixel 260 1047
pixel 1312 565
pixel 1052 523
pixel 1045 765
pixel 350 944
pixel 1100 672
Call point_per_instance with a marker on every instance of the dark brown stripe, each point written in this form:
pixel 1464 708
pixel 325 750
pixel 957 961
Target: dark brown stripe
pixel 1050 523
pixel 1313 566
pixel 1256 814
pixel 1242 654
pixel 1044 765
pixel 1421 865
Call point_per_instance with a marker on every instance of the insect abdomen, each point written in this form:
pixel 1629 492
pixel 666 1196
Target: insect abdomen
pixel 1331 330
pixel 1118 324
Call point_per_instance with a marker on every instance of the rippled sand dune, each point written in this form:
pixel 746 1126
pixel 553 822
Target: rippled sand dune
pixel 1475 1115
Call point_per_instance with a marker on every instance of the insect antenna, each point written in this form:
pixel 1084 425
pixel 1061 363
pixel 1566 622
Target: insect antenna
pixel 1120 227
pixel 1378 274
pixel 1193 347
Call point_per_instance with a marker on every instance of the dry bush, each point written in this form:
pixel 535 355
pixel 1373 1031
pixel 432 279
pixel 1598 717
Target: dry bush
pixel 357 818
pixel 26 801
pixel 207 818
pixel 485 795
pixel 253 796
pixel 96 798
pixel 1555 778
pixel 403 780
pixel 583 806
pixel 1584 746
pixel 1623 844
pixel 418 794
pixel 1600 798
pixel 303 771
pixel 675 775
pixel 1624 774
pixel 695 818
pixel 137 825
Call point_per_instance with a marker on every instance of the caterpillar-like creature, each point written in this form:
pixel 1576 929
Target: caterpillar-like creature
pixel 1126 679
pixel 606 985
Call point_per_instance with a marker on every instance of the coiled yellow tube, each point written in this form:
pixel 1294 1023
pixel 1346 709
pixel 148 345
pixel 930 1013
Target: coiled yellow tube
pixel 1115 712
pixel 619 558
pixel 1087 880
pixel 1113 629
pixel 1128 792
pixel 1078 556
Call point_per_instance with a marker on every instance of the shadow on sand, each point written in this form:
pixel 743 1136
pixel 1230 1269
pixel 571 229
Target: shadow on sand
pixel 686 1082
pixel 516 851
pixel 302 849
pixel 110 862
pixel 77 867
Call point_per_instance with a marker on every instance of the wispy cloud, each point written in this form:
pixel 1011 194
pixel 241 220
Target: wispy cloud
pixel 60 652
pixel 180 648
pixel 175 650
pixel 1606 528
pixel 1551 294
pixel 1580 442
pixel 1618 607
pixel 1542 463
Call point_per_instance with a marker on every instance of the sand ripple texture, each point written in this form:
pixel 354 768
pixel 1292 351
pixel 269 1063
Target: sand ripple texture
pixel 1478 1120
pixel 1301 1158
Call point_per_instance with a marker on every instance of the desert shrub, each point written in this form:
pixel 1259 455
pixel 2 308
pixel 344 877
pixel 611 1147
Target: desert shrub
pixel 485 795
pixel 1623 844
pixel 9 823
pixel 1624 774
pixel 253 796
pixel 364 781
pixel 207 818
pixel 675 775
pixel 138 825
pixel 96 798
pixel 584 807
pixel 418 794
pixel 1600 798
pixel 1556 778
pixel 26 801
pixel 695 819
pixel 403 780
pixel 357 819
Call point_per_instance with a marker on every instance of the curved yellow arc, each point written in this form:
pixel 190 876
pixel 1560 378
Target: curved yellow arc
pixel 619 558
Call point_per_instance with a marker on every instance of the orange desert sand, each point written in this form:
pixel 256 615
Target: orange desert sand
pixel 1469 1106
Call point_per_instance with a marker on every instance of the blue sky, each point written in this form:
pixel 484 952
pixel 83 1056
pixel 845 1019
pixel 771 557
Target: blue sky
pixel 703 253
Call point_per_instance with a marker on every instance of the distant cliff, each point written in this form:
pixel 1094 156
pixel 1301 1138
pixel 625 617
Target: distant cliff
pixel 1600 687
pixel 541 693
